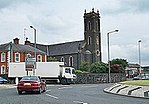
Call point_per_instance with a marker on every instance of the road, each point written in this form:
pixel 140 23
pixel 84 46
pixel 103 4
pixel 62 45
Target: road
pixel 72 94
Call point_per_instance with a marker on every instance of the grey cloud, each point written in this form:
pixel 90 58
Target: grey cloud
pixel 136 5
pixel 129 6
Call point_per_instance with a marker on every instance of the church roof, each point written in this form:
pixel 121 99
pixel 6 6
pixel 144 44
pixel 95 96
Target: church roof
pixel 61 48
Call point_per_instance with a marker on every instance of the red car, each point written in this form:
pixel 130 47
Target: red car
pixel 31 83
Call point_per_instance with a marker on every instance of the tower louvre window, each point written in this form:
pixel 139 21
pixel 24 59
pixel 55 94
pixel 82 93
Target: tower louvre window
pixel 89 40
pixel 89 25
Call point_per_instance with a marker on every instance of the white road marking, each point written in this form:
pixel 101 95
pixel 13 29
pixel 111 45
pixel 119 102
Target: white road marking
pixel 64 88
pixel 52 96
pixel 48 90
pixel 90 86
pixel 79 102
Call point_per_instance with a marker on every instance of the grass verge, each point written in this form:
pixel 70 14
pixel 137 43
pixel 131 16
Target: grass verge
pixel 137 82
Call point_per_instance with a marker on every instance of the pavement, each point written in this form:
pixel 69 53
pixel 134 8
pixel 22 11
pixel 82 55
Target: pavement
pixel 128 90
pixel 4 86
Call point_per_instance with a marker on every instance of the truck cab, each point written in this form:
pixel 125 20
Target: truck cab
pixel 67 75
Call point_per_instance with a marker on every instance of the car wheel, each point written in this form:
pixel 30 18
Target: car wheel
pixel 19 92
pixel 40 90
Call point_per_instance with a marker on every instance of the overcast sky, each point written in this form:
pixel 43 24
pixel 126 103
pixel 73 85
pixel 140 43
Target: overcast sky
pixel 59 21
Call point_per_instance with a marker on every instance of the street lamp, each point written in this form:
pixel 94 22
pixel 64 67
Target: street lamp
pixel 139 44
pixel 109 53
pixel 35 47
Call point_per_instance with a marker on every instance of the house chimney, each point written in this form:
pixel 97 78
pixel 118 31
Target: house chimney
pixel 27 42
pixel 16 41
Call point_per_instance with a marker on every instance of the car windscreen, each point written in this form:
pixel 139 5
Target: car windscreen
pixel 30 78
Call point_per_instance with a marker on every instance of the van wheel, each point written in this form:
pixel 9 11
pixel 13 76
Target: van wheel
pixel 64 81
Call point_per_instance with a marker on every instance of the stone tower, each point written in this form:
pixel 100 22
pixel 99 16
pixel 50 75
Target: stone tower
pixel 92 37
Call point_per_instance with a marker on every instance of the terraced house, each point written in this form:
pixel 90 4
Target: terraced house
pixel 15 52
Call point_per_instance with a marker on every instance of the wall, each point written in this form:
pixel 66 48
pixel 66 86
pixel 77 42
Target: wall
pixel 92 78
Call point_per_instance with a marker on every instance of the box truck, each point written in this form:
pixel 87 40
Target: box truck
pixel 51 72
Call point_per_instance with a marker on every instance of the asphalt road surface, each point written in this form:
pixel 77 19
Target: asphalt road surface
pixel 71 94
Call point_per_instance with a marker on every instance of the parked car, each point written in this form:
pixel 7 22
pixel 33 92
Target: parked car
pixel 2 80
pixel 142 77
pixel 31 84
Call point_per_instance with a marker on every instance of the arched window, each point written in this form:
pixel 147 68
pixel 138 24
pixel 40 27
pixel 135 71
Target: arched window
pixel 39 58
pixel 70 61
pixel 2 69
pixel 62 59
pixel 3 55
pixel 89 40
pixel 89 25
pixel 17 57
pixel 98 53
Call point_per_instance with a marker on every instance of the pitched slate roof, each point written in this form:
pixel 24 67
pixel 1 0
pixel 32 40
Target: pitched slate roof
pixel 19 48
pixel 4 47
pixel 61 48
pixel 65 48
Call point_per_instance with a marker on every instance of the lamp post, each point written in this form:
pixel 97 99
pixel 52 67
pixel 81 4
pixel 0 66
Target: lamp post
pixel 109 74
pixel 139 46
pixel 35 47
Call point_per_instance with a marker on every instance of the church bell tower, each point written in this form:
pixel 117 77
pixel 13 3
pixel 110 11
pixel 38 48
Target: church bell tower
pixel 92 36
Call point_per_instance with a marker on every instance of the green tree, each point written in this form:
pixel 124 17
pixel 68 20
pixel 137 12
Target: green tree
pixel 118 65
pixel 99 67
pixel 85 66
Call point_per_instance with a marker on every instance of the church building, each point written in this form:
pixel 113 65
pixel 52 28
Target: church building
pixel 75 52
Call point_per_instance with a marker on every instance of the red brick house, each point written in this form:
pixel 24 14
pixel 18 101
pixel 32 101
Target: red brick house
pixel 15 52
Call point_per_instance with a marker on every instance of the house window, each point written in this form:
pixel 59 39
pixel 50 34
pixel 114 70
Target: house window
pixel 39 58
pixel 89 40
pixel 17 57
pixel 2 69
pixel 62 59
pixel 70 61
pixel 3 55
pixel 28 55
pixel 89 25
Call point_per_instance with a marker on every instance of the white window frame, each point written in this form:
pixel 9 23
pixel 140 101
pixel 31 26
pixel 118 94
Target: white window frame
pixel 3 69
pixel 17 59
pixel 3 57
pixel 62 59
pixel 28 55
pixel 70 61
pixel 39 58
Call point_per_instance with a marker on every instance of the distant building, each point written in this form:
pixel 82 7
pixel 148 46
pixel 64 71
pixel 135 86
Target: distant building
pixel 15 52
pixel 75 52
pixel 133 70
